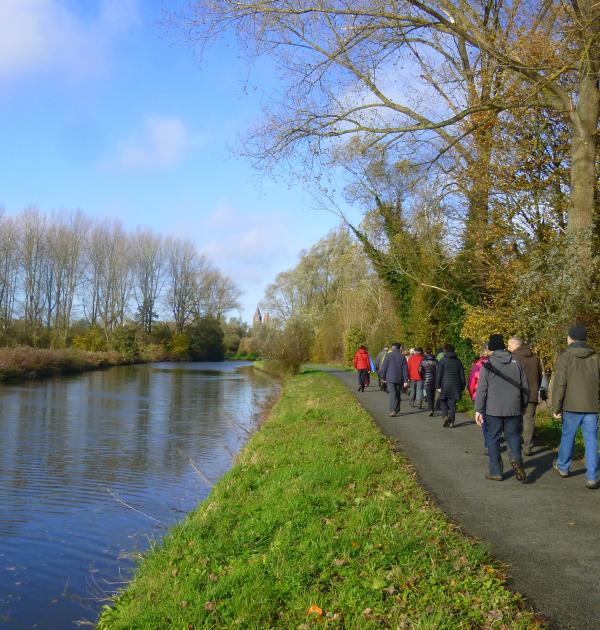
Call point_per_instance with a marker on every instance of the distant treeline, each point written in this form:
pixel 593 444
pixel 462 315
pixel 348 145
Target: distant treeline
pixel 68 280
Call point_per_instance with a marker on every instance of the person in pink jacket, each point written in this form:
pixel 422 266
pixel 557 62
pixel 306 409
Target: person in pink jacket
pixel 473 381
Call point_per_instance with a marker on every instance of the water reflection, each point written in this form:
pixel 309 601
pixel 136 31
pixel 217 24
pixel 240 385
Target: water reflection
pixel 75 452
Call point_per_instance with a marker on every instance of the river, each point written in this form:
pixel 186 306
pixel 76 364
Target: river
pixel 96 466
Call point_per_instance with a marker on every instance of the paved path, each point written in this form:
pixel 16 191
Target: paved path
pixel 547 531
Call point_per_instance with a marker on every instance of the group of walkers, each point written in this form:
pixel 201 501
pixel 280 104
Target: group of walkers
pixel 506 384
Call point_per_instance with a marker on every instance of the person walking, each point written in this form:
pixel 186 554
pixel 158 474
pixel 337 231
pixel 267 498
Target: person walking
pixel 362 364
pixel 379 359
pixel 472 383
pixel 502 394
pixel 415 380
pixel 450 382
pixel 395 373
pixel 532 366
pixel 427 371
pixel 575 396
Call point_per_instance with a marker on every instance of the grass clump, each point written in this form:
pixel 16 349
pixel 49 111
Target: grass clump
pixel 319 523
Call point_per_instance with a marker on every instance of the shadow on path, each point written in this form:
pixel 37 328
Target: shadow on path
pixel 547 530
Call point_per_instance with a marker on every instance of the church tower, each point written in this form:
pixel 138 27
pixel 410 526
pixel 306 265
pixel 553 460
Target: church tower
pixel 258 319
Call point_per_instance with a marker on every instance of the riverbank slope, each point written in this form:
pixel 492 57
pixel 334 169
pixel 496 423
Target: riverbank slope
pixel 318 523
pixel 24 362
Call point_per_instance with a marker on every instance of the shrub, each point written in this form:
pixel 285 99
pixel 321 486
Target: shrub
pixel 355 337
pixel 180 345
pixel 92 340
pixel 206 340
pixel 124 340
pixel 289 348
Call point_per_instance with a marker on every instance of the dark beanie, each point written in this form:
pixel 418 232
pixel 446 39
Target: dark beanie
pixel 496 342
pixel 578 332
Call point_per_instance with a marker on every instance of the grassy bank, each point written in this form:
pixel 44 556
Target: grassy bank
pixel 24 362
pixel 318 523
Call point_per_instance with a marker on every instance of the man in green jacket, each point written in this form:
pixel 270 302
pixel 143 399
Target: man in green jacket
pixel 575 397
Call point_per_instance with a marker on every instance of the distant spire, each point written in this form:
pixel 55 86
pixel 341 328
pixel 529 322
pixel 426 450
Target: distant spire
pixel 257 320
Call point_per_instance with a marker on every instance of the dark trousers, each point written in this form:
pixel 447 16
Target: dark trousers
pixel 448 407
pixel 484 431
pixel 511 427
pixel 362 378
pixel 395 390
pixel 430 393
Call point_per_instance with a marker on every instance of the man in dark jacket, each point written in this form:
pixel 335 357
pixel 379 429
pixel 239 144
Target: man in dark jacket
pixel 532 366
pixel 427 370
pixel 378 365
pixel 575 397
pixel 502 394
pixel 450 381
pixel 395 373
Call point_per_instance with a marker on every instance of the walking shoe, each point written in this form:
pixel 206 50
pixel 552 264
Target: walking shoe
pixel 446 421
pixel 494 477
pixel 431 414
pixel 519 471
pixel 592 485
pixel 392 414
pixel 562 473
pixel 451 423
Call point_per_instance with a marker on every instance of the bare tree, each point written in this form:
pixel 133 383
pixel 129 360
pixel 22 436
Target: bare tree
pixel 108 284
pixel 8 270
pixel 31 263
pixel 66 239
pixel 215 294
pixel 430 77
pixel 147 266
pixel 182 266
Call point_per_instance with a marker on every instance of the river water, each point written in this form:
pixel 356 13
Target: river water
pixel 94 467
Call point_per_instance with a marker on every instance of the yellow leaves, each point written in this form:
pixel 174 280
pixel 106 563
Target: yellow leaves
pixel 480 323
pixel 314 610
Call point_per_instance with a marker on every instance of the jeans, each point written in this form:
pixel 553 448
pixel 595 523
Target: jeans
pixel 416 391
pixel 382 384
pixel 430 394
pixel 395 390
pixel 529 425
pixel 571 422
pixel 448 407
pixel 362 378
pixel 484 431
pixel 511 426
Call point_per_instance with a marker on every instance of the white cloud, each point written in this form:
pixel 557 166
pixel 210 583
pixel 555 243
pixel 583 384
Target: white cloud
pixel 163 143
pixel 38 35
pixel 249 246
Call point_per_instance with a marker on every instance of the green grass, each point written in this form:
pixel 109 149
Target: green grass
pixel 317 511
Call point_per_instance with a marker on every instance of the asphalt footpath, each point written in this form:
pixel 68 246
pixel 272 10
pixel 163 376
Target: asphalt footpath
pixel 547 531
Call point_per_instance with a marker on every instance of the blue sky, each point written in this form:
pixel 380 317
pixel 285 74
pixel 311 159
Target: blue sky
pixel 102 109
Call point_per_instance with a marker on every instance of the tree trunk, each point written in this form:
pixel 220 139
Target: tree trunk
pixel 580 226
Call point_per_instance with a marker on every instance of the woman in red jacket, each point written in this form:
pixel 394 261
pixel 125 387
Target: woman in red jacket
pixel 363 365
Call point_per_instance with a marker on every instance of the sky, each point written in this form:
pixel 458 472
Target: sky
pixel 103 109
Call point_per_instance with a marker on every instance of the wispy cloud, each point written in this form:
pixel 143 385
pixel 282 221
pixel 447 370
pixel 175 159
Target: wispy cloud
pixel 163 142
pixel 258 244
pixel 42 35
